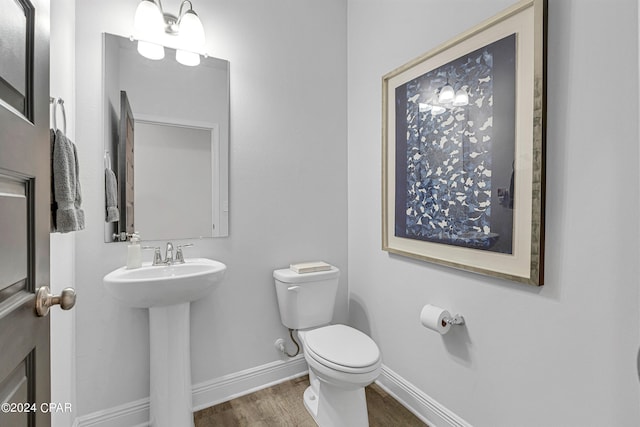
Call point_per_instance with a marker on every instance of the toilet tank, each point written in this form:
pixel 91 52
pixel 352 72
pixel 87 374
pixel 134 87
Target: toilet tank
pixel 306 300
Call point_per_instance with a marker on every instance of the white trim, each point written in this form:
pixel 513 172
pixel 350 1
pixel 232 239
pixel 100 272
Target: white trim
pixel 225 388
pixel 216 184
pixel 205 394
pixel 419 403
pixel 219 177
pixel 172 121
pixel 638 280
pixel 129 414
pixel 209 393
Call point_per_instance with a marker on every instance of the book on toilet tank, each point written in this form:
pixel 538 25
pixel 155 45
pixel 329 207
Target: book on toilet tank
pixel 310 267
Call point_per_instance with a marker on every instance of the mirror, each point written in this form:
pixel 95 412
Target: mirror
pixel 166 145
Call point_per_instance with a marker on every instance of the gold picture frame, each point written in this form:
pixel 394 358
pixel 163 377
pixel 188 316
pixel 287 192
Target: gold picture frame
pixel 463 170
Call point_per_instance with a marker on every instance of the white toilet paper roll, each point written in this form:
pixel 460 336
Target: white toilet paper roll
pixel 432 317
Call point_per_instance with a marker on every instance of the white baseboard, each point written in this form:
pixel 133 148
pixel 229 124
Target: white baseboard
pixel 238 384
pixel 205 394
pixel 210 393
pixel 132 414
pixel 415 400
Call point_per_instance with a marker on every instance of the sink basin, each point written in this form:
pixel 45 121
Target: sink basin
pixel 157 286
pixel 167 291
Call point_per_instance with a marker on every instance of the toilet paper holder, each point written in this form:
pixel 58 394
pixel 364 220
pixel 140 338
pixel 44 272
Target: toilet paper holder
pixel 455 320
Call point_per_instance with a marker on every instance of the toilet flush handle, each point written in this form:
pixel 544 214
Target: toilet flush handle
pixel 293 288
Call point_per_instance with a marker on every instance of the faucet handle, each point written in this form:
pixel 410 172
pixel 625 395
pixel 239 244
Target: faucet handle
pixel 157 255
pixel 179 255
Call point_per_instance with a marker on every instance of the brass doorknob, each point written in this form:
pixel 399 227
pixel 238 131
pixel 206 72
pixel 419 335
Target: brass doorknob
pixel 44 300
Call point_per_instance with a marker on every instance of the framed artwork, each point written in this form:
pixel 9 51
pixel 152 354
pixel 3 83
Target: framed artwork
pixel 463 150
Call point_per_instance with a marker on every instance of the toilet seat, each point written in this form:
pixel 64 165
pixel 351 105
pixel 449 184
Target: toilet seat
pixel 342 348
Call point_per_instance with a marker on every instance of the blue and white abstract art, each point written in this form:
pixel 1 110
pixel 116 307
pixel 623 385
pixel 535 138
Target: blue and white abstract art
pixel 454 160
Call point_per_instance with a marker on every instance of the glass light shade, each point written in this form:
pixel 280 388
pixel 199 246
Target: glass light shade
pixel 150 50
pixel 424 107
pixel 148 22
pixel 461 99
pixel 447 94
pixel 187 58
pixel 436 110
pixel 191 31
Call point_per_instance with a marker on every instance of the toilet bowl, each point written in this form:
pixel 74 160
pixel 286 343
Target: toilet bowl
pixel 342 360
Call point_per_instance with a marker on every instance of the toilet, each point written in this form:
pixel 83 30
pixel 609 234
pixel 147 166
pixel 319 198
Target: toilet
pixel 341 359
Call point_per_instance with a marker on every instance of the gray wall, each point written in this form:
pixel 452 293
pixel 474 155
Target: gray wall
pixel 288 198
pixel 562 355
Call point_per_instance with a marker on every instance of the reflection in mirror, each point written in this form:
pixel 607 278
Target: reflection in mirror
pixel 168 149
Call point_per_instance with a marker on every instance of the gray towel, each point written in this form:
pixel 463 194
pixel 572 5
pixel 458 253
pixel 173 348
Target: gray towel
pixel 67 197
pixel 111 195
pixel 54 205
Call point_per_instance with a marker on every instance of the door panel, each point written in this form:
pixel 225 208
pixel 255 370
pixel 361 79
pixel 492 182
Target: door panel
pixel 24 210
pixel 13 258
pixel 16 69
pixel 15 390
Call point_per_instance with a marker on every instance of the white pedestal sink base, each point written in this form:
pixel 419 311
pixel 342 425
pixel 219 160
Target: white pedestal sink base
pixel 171 400
pixel 167 291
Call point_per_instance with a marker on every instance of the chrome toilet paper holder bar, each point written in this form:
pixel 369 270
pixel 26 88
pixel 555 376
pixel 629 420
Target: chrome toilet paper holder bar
pixel 455 320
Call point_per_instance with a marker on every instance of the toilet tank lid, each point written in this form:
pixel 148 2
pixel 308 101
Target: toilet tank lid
pixel 289 276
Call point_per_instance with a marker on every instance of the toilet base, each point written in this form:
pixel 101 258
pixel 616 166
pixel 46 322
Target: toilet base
pixel 331 406
pixel 311 402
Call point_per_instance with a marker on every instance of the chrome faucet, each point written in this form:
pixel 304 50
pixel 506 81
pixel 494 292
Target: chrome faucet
pixel 168 255
pixel 169 258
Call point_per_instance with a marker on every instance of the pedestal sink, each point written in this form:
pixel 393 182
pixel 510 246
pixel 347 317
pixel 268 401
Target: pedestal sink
pixel 167 292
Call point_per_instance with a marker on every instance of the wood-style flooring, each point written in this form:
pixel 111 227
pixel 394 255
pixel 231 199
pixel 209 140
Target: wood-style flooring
pixel 282 406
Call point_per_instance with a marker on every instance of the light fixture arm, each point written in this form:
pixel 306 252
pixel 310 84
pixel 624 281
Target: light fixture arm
pixel 180 14
pixel 151 22
pixel 171 21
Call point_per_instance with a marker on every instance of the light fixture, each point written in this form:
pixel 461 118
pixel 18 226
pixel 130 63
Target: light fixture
pixel 446 98
pixel 436 110
pixel 424 107
pixel 447 94
pixel 151 23
pixel 461 99
pixel 148 24
pixel 191 36
pixel 150 50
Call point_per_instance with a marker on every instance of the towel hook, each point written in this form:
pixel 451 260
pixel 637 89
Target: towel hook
pixel 56 102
